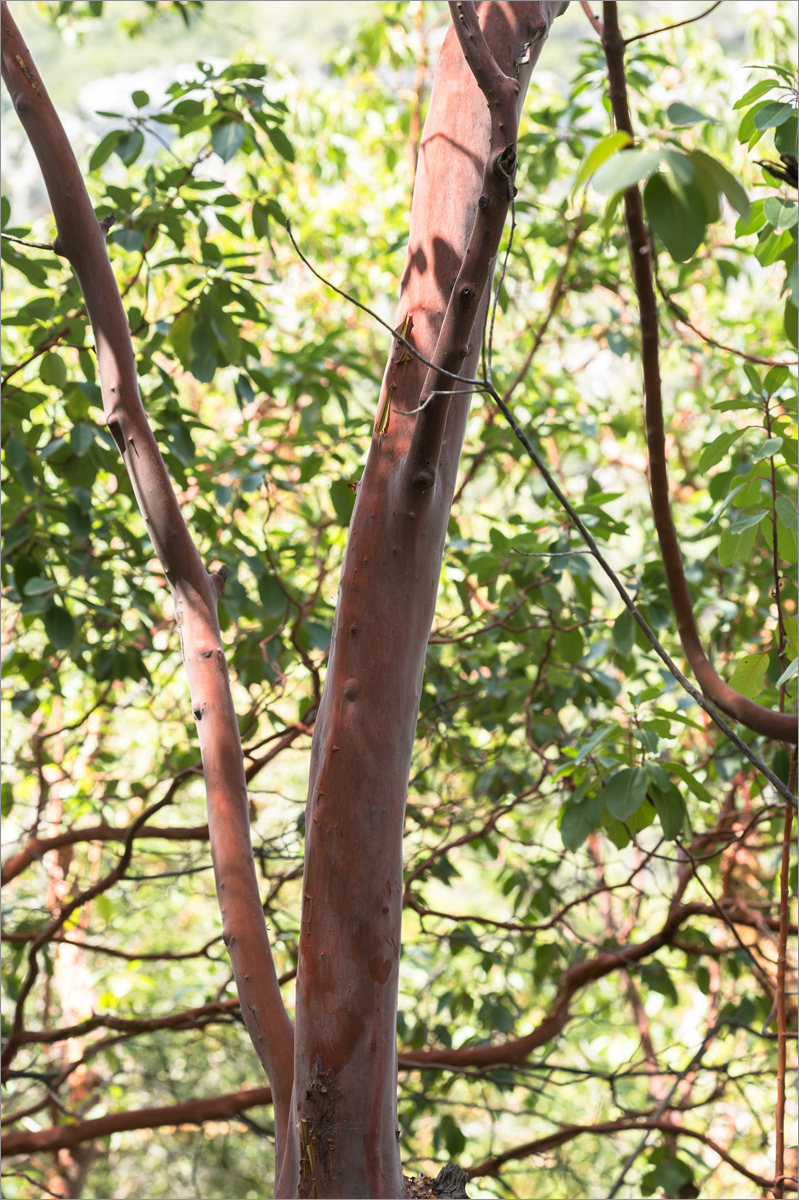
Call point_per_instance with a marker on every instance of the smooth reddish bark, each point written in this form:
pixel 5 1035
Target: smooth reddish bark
pixel 336 1132
pixel 81 240
pixel 754 716
pixel 345 1039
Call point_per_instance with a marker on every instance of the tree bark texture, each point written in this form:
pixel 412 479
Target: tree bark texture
pixel 346 1138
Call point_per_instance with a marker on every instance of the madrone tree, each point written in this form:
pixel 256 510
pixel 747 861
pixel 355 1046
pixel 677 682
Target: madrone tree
pixel 333 1070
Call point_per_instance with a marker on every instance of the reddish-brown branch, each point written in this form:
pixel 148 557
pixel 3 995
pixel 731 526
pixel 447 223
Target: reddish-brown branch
pixel 684 319
pixel 190 1112
pixel 782 1039
pixel 500 92
pixel 593 19
pixel 677 25
pixel 572 980
pixel 761 720
pixel 81 240
pixel 37 847
pixel 364 732
pixel 492 1165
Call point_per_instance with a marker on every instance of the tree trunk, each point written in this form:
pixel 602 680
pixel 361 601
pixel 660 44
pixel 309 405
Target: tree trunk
pixel 346 1139
pixel 335 1104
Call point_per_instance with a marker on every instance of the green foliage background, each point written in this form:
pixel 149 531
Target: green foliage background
pixel 545 718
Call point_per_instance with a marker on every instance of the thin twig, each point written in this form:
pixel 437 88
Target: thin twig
pixel 661 1108
pixel 558 292
pixel 665 28
pixel 36 1183
pixel 475 383
pixel 684 319
pixel 488 362
pixel 782 1041
pixel 9 237
pixel 629 604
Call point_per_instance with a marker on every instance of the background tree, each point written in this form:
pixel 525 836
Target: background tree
pixel 511 980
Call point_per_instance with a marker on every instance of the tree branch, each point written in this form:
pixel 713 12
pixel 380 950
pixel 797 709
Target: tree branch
pixel 492 1165
pixel 761 720
pixel 81 240
pixel 665 28
pixel 190 1112
pixel 452 348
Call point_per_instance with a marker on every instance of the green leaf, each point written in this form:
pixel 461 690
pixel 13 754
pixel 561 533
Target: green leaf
pixel 785 136
pixel 180 336
pixel 624 792
pixel 736 546
pixel 260 220
pixel 754 93
pixel 129 239
pixel 272 597
pixel 59 627
pixel 717 449
pixel 624 170
pixel 678 218
pixel 140 99
pixel 775 378
pixel 746 521
pixel 591 744
pixel 343 500
pixel 755 219
pixel 81 438
pixel 670 808
pixel 39 587
pixel 725 181
pixel 684 114
pixel 624 632
pixel 691 782
pixel 766 449
pixel 681 166
pixel 774 113
pixel 578 819
pixel 52 370
pixel 600 153
pixel 789 672
pixel 130 146
pixel 16 454
pixel 280 142
pixel 104 149
pixel 781 214
pixel 228 138
pixel 787 513
pixel 749 674
pixel 6 799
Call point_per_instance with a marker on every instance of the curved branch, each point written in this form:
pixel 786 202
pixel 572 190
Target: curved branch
pixel 575 978
pixel 37 847
pixel 779 726
pixel 492 1165
pixel 190 1112
pixel 81 240
pixel 677 25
